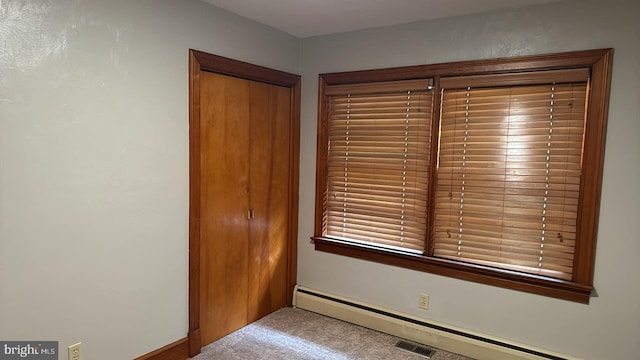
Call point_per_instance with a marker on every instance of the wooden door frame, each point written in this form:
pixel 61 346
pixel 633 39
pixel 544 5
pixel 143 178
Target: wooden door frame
pixel 198 62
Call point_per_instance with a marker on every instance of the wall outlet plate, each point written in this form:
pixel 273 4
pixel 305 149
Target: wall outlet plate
pixel 423 301
pixel 75 351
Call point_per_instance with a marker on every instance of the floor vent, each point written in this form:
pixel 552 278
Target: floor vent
pixel 420 350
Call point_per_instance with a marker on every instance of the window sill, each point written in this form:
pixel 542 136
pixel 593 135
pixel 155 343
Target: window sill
pixel 513 280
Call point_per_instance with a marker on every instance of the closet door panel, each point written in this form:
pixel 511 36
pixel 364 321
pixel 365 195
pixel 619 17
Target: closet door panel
pixel 269 197
pixel 224 202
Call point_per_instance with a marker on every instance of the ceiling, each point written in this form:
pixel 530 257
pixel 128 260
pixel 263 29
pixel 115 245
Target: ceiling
pixel 305 18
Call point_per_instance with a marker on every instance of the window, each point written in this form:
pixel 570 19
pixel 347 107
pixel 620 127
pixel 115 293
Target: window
pixel 378 157
pixel 509 170
pixel 487 171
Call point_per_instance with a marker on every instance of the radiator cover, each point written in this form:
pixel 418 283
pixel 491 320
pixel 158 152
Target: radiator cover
pixel 449 338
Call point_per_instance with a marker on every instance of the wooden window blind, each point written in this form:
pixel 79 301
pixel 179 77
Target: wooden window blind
pixel 509 170
pixel 378 163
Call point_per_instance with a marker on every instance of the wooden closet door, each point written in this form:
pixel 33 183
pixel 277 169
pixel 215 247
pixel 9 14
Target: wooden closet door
pixel 245 162
pixel 270 112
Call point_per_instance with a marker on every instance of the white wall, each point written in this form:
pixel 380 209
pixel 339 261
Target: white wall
pixel 94 164
pixel 608 328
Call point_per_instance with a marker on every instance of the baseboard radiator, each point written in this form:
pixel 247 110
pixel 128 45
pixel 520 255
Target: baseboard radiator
pixel 412 328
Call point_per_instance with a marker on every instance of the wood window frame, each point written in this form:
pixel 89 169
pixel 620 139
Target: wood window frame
pixel 580 288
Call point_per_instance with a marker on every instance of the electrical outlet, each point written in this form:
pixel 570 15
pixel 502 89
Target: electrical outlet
pixel 75 351
pixel 423 301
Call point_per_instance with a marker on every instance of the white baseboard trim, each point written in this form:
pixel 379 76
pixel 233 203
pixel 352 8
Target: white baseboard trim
pixel 443 336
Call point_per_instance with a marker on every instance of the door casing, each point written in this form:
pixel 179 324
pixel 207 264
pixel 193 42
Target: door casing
pixel 198 62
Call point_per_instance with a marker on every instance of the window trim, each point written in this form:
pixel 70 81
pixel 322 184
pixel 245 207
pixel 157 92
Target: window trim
pixel 580 288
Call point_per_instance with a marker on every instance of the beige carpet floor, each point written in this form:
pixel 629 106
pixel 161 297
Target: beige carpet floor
pixel 295 334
